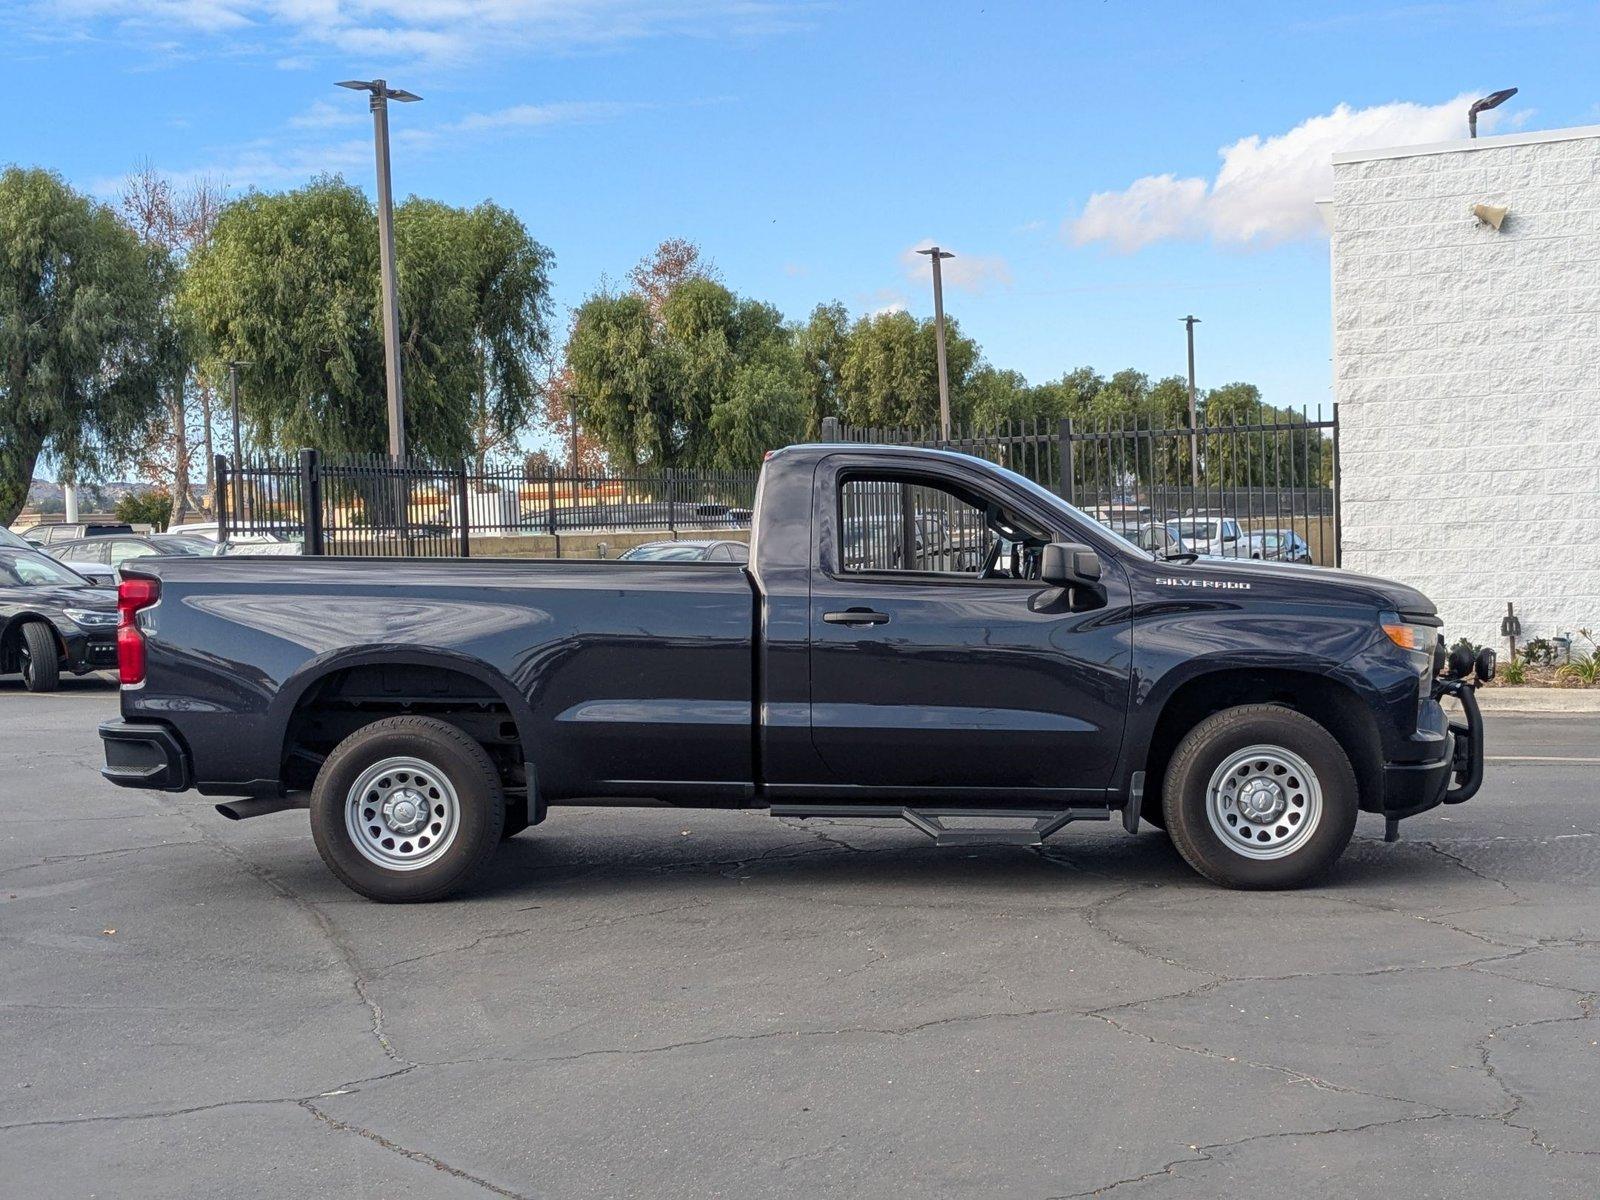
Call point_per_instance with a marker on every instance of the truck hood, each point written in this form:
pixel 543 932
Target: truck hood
pixel 1293 580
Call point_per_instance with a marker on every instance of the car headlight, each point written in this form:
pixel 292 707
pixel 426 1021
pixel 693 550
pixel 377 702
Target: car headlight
pixel 91 618
pixel 1420 642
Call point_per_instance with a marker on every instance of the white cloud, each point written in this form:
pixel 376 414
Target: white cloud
pixel 436 30
pixel 538 116
pixel 1264 191
pixel 975 273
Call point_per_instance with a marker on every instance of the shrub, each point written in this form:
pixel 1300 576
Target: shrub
pixel 153 508
pixel 1514 671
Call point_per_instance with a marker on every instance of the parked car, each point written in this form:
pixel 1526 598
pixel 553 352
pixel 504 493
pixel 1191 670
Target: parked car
pixel 1216 536
pixel 51 532
pixel 258 547
pixel 687 551
pixel 210 531
pixel 1278 545
pixel 98 575
pixel 424 709
pixel 1159 540
pixel 111 552
pixel 52 619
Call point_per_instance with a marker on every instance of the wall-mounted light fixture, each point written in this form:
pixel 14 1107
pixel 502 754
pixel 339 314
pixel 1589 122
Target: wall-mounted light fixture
pixel 1490 214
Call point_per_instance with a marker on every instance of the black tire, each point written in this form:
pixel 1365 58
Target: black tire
pixel 441 748
pixel 40 658
pixel 1227 734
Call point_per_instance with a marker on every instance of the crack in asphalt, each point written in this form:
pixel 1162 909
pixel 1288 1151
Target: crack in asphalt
pixel 417 1156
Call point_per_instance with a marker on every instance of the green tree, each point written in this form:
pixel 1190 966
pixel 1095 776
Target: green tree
pixel 289 283
pixel 822 343
pixel 694 376
pixel 992 397
pixel 890 374
pixel 79 325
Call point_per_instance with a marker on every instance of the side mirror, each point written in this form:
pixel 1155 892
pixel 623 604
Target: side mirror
pixel 1069 564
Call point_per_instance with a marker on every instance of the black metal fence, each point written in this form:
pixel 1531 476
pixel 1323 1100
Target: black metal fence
pixel 1267 488
pixel 375 505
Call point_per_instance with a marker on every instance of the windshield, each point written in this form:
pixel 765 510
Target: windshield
pixel 7 538
pixel 168 543
pixel 664 553
pixel 35 570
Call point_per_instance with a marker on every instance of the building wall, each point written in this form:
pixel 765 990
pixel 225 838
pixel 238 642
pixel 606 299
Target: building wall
pixel 1467 370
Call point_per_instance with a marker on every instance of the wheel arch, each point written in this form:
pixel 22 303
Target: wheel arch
pixel 1333 704
pixel 11 636
pixel 301 688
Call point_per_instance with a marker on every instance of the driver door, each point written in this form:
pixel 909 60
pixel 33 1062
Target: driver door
pixel 935 669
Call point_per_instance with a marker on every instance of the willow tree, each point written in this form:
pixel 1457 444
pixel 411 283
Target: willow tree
pixel 79 326
pixel 289 283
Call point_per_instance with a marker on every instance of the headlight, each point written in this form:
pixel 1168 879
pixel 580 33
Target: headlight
pixel 1420 642
pixel 91 618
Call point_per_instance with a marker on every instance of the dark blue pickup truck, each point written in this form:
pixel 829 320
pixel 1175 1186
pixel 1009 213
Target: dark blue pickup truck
pixel 918 634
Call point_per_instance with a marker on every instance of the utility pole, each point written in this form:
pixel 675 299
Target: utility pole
pixel 379 95
pixel 938 255
pixel 1189 323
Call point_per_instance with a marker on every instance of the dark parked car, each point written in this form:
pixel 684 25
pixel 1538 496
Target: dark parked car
pixel 687 551
pixel 52 619
pixel 425 709
pixel 117 549
pixel 51 532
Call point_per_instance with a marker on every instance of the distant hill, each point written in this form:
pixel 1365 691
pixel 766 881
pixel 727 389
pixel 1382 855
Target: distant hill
pixel 47 496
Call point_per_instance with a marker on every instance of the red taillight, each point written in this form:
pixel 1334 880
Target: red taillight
pixel 132 595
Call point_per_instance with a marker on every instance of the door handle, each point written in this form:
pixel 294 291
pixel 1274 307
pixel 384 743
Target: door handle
pixel 856 616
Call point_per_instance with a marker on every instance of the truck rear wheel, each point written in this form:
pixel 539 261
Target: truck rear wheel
pixel 1260 796
pixel 407 809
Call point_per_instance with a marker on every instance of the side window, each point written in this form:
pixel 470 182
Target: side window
pixel 121 552
pixel 888 524
pixel 739 552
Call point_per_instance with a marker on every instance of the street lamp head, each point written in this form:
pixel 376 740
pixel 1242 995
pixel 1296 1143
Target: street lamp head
pixel 935 252
pixel 1492 100
pixel 379 87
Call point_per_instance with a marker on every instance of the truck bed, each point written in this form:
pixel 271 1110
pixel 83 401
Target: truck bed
pixel 604 666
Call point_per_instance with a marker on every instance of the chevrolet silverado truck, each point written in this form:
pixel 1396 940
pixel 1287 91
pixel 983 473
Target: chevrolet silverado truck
pixel 918 634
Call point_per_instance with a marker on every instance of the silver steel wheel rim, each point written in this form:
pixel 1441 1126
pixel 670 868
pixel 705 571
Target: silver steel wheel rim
pixel 402 813
pixel 1264 802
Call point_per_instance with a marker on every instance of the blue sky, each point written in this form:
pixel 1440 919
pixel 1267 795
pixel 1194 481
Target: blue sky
pixel 1070 153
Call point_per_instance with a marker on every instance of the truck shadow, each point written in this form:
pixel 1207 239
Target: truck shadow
pixel 907 863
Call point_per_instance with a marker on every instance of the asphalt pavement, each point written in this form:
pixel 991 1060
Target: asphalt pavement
pixel 681 1004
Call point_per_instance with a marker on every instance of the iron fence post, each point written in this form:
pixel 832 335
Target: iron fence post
pixel 220 479
pixel 466 515
pixel 311 499
pixel 550 500
pixel 830 430
pixel 672 501
pixel 1338 521
pixel 1069 485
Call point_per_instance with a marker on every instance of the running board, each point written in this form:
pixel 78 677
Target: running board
pixel 931 820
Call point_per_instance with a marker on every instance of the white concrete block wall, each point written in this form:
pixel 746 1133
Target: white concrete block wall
pixel 1467 370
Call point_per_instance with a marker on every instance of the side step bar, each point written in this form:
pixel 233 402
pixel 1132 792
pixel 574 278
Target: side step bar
pixel 931 820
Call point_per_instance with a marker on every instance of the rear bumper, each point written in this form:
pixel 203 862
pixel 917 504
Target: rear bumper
pixel 1451 777
pixel 142 754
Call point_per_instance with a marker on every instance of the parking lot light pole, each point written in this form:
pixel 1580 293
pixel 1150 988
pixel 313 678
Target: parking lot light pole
pixel 1189 323
pixel 379 95
pixel 938 255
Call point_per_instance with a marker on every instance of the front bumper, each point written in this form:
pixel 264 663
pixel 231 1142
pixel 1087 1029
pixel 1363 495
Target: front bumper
pixel 88 649
pixel 142 754
pixel 1454 776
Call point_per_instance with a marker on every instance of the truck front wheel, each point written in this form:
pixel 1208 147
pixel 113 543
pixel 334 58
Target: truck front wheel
pixel 407 809
pixel 1260 796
